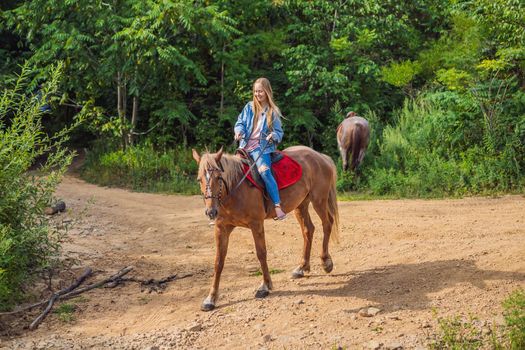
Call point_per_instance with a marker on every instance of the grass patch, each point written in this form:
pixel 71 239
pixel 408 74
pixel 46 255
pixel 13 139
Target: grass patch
pixel 272 272
pixel 515 319
pixel 377 329
pixel 65 312
pixel 80 299
pixel 460 333
pixel 363 196
pixel 143 300
pixel 228 310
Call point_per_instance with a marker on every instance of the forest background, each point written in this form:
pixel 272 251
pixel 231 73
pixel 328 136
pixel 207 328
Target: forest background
pixel 135 84
pixel 441 82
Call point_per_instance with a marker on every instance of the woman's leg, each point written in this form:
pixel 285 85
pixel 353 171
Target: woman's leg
pixel 263 163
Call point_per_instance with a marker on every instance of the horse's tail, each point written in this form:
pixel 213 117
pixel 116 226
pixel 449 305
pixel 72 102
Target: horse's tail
pixel 333 209
pixel 356 145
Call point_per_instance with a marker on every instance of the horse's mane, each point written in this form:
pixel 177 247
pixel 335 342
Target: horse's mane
pixel 230 164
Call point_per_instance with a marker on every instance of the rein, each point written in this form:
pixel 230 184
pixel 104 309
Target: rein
pixel 219 196
pixel 250 168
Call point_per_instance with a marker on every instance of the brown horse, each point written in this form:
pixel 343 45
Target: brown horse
pixel 232 203
pixel 353 135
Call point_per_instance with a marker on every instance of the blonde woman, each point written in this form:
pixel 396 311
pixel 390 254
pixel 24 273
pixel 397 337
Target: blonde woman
pixel 259 129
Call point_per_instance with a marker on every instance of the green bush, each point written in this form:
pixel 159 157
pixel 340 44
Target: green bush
pixel 439 147
pixel 27 243
pixel 457 333
pixel 460 333
pixel 514 314
pixel 143 168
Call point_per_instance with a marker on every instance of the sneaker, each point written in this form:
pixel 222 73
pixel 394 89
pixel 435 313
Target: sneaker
pixel 281 215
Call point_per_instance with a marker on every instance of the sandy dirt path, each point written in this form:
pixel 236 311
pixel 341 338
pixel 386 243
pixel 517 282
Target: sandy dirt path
pixel 414 260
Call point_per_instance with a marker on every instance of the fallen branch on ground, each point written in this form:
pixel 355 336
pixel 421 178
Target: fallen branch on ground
pixel 111 282
pixel 87 273
pixel 152 284
pixel 70 292
pixel 55 296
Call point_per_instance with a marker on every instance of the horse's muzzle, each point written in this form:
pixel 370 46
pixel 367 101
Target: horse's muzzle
pixel 211 213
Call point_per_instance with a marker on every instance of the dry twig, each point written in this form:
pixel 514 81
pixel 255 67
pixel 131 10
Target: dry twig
pixel 110 282
pixel 57 295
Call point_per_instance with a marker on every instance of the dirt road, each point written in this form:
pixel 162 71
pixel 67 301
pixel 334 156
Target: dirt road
pixel 414 260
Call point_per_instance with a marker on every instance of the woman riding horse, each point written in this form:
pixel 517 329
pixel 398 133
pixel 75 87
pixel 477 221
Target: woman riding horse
pixel 239 204
pixel 260 120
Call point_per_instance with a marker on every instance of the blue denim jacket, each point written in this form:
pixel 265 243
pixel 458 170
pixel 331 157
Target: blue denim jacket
pixel 244 126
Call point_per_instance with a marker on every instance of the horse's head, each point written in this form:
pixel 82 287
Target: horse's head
pixel 211 181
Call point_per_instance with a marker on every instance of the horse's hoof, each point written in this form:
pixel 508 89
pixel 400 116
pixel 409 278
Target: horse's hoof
pixel 328 265
pixel 261 293
pixel 207 306
pixel 297 273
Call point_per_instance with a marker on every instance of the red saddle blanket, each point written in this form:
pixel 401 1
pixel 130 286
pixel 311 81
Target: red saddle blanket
pixel 286 170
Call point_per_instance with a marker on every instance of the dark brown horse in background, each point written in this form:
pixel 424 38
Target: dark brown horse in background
pixel 232 203
pixel 353 135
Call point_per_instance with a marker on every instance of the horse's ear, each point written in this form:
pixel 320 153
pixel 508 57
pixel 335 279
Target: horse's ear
pixel 196 155
pixel 351 114
pixel 219 155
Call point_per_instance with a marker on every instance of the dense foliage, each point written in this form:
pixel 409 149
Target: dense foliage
pixel 142 168
pixel 441 81
pixel 28 244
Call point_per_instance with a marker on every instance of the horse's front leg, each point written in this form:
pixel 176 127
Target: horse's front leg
pixel 222 236
pixel 260 247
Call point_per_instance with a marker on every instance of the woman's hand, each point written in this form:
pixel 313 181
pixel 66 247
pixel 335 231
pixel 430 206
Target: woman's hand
pixel 269 137
pixel 238 136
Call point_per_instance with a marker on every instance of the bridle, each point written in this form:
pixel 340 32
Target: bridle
pixel 218 196
pixel 208 194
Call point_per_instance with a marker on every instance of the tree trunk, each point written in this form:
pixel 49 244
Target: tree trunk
pixel 121 108
pixel 335 21
pixel 184 136
pixel 221 108
pixel 134 118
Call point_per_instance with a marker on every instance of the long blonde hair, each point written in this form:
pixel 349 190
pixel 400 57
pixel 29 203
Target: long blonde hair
pixel 257 108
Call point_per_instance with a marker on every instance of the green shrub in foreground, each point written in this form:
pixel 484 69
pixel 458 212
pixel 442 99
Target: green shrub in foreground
pixel 457 333
pixel 27 244
pixel 515 319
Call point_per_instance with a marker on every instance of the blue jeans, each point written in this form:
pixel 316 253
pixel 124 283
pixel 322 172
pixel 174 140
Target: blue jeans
pixel 267 176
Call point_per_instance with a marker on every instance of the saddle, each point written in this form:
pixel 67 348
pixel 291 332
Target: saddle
pixel 286 171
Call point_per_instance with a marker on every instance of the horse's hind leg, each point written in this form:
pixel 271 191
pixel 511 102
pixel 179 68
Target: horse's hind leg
pixel 307 228
pixel 361 155
pixel 344 157
pixel 321 208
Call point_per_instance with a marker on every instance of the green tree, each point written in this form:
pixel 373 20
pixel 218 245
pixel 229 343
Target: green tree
pixel 123 52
